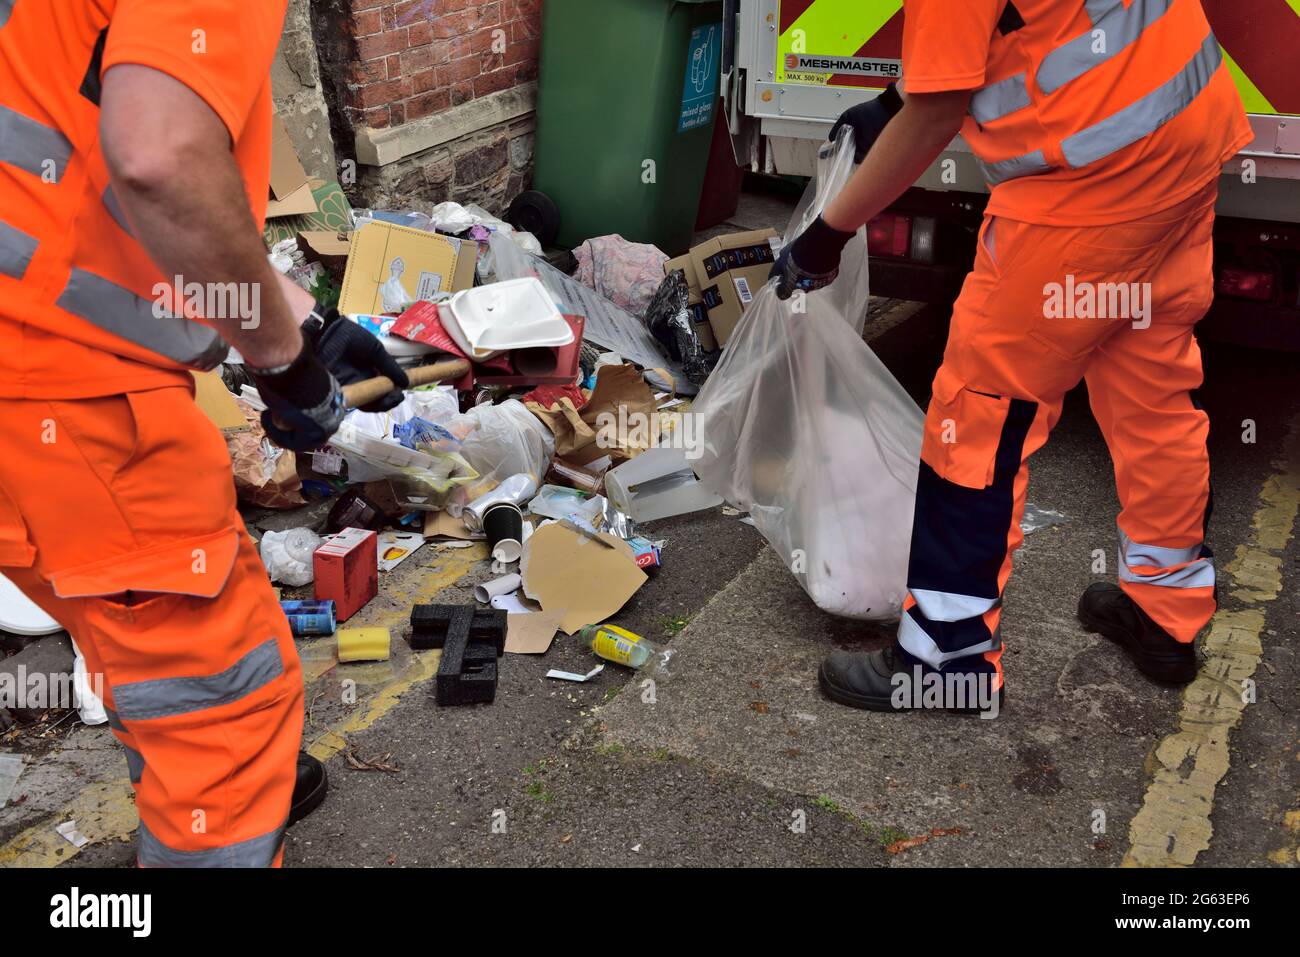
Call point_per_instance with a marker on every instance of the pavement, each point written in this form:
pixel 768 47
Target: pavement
pixel 737 759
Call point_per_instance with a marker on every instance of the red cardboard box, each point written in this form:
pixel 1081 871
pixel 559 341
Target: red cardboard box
pixel 347 570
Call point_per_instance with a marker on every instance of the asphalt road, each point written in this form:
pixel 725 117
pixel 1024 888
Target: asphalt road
pixel 738 760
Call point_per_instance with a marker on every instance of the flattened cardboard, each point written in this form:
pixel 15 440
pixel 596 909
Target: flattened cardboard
pixel 531 633
pixel 445 525
pixel 730 270
pixel 212 396
pixel 290 190
pixel 332 212
pixel 424 263
pixel 582 580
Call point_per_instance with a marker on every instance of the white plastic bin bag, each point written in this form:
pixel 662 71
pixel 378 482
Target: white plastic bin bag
pixel 805 428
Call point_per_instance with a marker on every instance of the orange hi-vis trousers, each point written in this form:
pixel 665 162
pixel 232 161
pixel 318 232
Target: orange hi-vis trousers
pixel 1044 307
pixel 117 516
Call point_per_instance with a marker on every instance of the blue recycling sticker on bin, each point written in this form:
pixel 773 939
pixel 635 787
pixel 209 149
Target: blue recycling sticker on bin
pixel 700 88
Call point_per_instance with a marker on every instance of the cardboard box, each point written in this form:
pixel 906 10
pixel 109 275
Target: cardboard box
pixel 425 263
pixel 291 193
pixel 347 570
pixel 326 247
pixel 702 328
pixel 730 270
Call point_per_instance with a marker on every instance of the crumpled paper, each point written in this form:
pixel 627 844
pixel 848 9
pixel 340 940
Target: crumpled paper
pixel 619 420
pixel 265 474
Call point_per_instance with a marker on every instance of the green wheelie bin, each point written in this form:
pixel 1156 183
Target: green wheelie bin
pixel 627 97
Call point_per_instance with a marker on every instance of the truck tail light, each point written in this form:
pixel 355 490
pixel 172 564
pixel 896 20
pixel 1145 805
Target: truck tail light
pixel 889 234
pixel 902 236
pixel 1245 283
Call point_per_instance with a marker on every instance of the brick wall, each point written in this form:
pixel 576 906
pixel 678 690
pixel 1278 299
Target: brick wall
pixel 434 98
pixel 415 58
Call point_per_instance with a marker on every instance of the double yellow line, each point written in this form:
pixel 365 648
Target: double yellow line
pixel 1173 825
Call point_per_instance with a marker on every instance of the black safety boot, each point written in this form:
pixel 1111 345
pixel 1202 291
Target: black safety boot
pixel 885 680
pixel 1105 608
pixel 309 790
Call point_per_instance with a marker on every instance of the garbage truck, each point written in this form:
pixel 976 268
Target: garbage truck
pixel 790 67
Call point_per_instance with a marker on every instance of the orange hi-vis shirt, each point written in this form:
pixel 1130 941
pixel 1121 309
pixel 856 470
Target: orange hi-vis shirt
pixel 79 315
pixel 1084 112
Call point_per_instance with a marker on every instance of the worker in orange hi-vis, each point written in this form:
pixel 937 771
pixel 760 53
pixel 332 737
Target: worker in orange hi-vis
pixel 135 140
pixel 1101 127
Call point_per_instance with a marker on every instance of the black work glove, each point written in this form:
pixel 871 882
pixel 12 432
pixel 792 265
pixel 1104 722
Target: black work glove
pixel 304 402
pixel 868 120
pixel 353 353
pixel 811 261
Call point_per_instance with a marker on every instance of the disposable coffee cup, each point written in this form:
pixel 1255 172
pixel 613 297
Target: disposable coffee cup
pixel 503 524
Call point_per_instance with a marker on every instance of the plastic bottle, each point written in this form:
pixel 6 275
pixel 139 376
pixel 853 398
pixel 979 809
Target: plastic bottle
pixel 624 647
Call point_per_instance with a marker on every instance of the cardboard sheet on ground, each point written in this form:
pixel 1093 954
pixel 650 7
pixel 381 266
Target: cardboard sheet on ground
pixel 586 580
pixel 531 633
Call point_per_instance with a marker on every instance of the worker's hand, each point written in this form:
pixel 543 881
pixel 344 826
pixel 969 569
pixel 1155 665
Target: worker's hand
pixel 868 120
pixel 353 353
pixel 811 261
pixel 304 402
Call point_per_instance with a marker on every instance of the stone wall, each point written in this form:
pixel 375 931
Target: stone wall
pixel 299 97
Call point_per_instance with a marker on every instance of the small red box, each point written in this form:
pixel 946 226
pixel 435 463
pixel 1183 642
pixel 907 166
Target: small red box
pixel 347 570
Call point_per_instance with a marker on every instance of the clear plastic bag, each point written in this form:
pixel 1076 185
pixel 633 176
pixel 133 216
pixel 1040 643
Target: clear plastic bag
pixel 805 428
pixel 500 441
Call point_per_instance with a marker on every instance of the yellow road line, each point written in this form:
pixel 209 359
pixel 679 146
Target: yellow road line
pixel 106 810
pixel 1289 853
pixel 421 667
pixel 103 812
pixel 1173 825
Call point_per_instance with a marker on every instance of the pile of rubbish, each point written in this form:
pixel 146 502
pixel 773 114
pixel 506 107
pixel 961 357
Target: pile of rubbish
pixel 566 432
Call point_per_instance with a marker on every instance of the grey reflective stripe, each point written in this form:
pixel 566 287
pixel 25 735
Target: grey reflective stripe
pixel 6 7
pixel 1146 115
pixel 947 606
pixel 1028 165
pixel 1099 8
pixel 115 210
pixel 1196 575
pixel 914 640
pixel 134 763
pixel 255 852
pixel 165 697
pixel 16 249
pixel 999 99
pixel 123 313
pixel 1135 554
pixel 1117 28
pixel 114 721
pixel 32 146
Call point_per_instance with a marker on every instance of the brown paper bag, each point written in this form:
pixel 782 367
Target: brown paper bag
pixel 619 420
